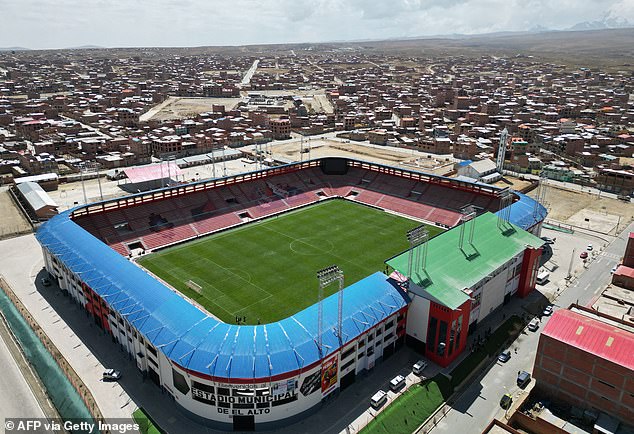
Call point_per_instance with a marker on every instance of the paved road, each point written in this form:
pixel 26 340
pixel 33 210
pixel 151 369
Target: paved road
pixel 16 397
pixel 247 76
pixel 480 402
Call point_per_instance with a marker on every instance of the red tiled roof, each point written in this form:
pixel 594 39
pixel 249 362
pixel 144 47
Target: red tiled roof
pixel 593 336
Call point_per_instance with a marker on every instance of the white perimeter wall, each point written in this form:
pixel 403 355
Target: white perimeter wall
pixel 418 317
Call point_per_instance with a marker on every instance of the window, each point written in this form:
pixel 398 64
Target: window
pixel 431 334
pixel 348 352
pixel 347 364
pixel 152 350
pixel 442 338
pixel 452 336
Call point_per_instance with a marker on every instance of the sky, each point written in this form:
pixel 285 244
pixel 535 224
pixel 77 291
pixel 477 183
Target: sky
pixel 127 23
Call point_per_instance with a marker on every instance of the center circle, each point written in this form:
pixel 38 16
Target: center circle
pixel 311 246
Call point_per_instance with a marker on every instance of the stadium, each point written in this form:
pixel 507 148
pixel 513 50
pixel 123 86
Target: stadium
pixel 229 293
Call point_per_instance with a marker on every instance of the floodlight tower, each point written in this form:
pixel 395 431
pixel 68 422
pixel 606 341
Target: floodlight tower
pixel 417 237
pixel 502 150
pixel 504 216
pixel 468 213
pixel 327 276
pixel 540 197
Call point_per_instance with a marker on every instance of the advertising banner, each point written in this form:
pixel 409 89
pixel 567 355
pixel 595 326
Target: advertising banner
pixel 329 371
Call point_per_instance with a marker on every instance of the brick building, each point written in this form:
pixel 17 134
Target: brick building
pixel 585 359
pixel 281 128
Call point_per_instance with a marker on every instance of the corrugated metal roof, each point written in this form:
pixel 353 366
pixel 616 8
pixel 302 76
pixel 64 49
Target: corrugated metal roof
pixel 35 195
pixel 593 336
pixel 526 212
pixel 201 343
pixel 450 269
pixel 152 172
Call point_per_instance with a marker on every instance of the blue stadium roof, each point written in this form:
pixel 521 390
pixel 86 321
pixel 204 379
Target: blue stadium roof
pixel 196 340
pixel 526 212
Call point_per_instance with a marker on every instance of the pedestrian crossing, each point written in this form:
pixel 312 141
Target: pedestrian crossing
pixel 611 256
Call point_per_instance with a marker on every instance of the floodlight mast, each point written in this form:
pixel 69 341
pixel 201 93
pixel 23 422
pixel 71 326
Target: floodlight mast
pixel 504 215
pixel 327 276
pixel 468 214
pixel 417 237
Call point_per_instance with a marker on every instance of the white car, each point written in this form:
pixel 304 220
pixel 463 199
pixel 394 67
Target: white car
pixel 111 375
pixel 397 382
pixel 419 367
pixel 533 325
pixel 613 270
pixel 548 310
pixel 590 247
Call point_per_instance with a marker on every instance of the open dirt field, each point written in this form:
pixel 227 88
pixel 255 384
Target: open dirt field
pixel 512 182
pixel 12 222
pixel 182 108
pixel 586 210
pixel 387 156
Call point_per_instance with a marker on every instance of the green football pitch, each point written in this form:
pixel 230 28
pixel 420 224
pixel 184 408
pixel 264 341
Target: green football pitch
pixel 266 271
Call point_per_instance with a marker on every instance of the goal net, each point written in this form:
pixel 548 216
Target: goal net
pixel 193 285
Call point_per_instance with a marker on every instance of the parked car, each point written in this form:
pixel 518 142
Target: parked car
pixel 397 382
pixel 506 401
pixel 533 325
pixel 505 356
pixel 523 378
pixel 623 197
pixel 548 310
pixel 419 367
pixel 590 247
pixel 583 255
pixel 613 270
pixel 46 281
pixel 549 240
pixel 378 399
pixel 111 375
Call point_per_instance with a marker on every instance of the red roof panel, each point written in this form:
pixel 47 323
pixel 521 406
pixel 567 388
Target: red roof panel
pixel 593 336
pixel 152 172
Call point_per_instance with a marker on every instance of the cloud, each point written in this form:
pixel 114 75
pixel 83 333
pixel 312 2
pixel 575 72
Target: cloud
pixel 66 23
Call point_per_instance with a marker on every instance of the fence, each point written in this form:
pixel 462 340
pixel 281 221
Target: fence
pixel 59 358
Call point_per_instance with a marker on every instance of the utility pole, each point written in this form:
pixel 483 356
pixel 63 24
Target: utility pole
pixel 572 257
pixel 83 187
pixel 99 182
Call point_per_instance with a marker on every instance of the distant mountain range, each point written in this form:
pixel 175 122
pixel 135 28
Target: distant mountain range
pixel 85 47
pixel 14 49
pixel 81 47
pixel 605 23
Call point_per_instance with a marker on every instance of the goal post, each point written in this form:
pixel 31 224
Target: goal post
pixel 194 286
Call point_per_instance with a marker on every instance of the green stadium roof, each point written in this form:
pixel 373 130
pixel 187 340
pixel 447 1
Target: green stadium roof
pixel 449 269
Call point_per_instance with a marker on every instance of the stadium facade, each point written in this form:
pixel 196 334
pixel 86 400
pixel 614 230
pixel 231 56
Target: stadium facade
pixel 258 377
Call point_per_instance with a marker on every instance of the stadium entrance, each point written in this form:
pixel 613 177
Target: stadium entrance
pixel 244 423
